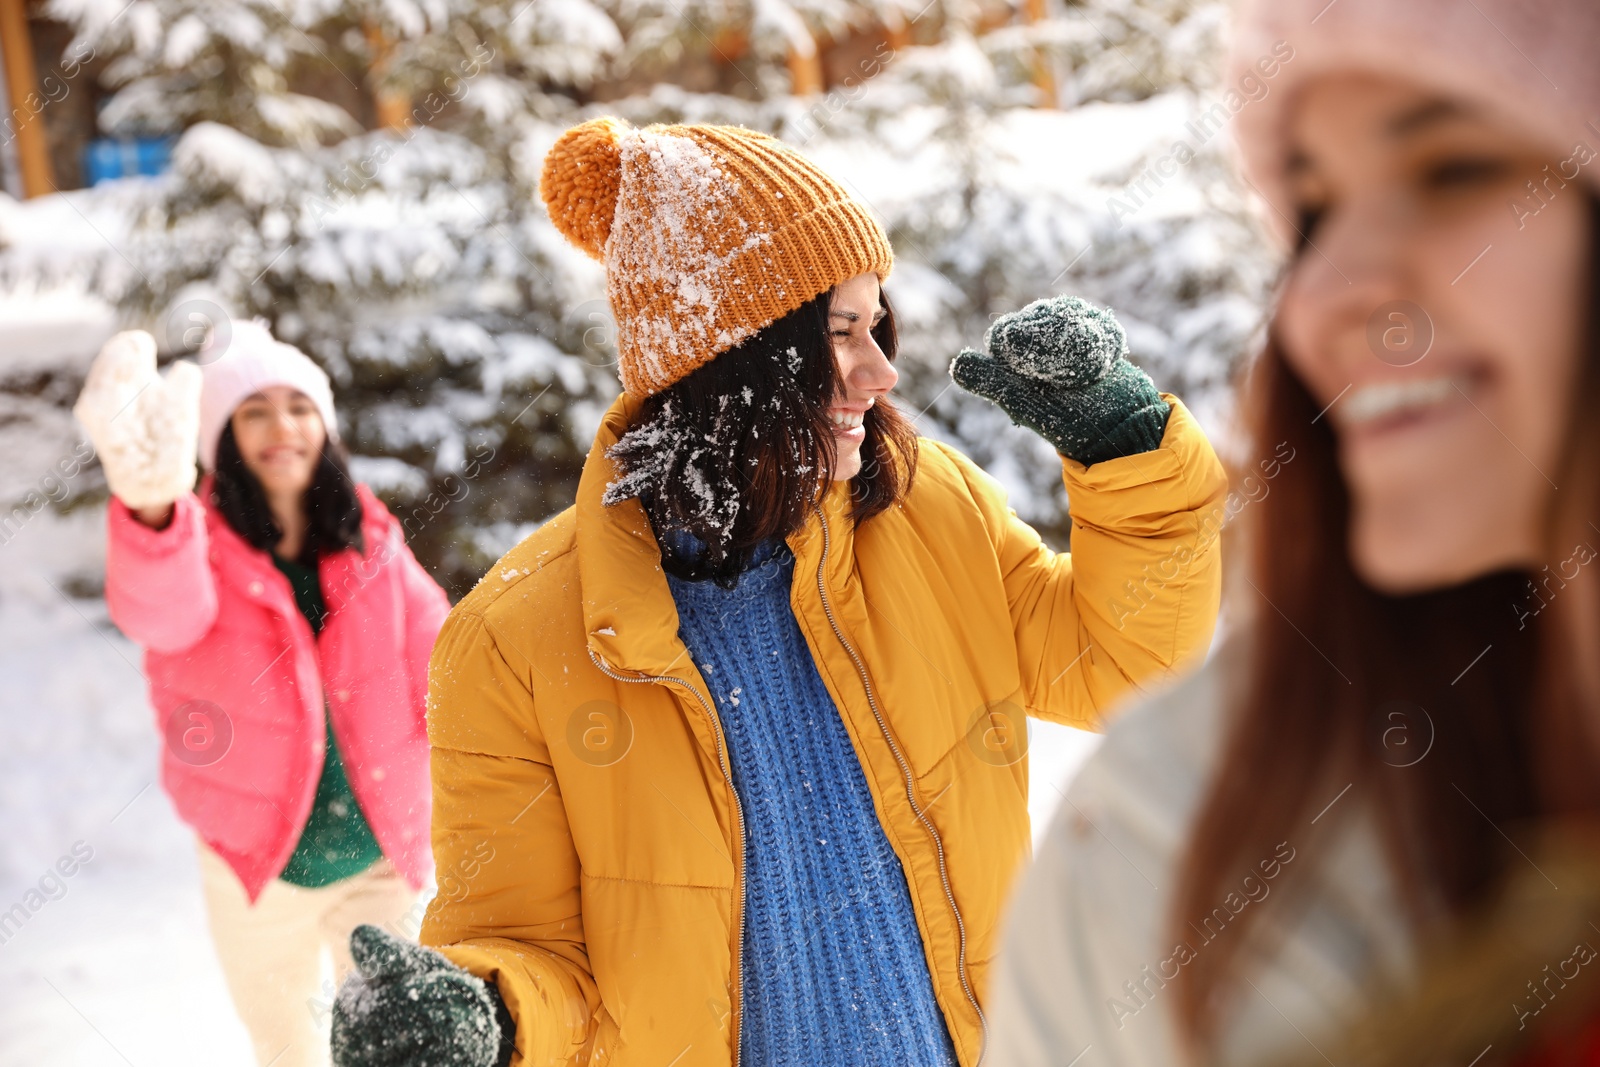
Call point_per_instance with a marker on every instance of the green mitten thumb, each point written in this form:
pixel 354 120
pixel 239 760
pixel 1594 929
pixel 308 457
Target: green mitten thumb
pixel 982 374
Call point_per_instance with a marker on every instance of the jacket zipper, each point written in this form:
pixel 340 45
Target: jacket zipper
pixel 738 811
pixel 911 795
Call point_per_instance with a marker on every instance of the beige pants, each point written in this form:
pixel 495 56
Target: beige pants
pixel 272 952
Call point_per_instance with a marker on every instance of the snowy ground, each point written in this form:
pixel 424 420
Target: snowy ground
pixel 114 967
pixel 111 965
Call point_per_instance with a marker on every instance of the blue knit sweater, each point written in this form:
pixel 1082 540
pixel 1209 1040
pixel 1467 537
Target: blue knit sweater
pixel 833 966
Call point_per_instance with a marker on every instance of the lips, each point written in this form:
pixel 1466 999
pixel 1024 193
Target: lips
pixel 847 420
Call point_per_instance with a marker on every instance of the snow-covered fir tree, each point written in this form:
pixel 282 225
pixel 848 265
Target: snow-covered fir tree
pixel 364 175
pixel 413 262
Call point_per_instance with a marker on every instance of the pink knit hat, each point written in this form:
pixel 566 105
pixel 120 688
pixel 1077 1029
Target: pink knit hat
pixel 245 359
pixel 1530 60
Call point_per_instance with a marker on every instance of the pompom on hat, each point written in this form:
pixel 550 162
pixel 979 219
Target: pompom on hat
pixel 244 360
pixel 708 234
pixel 1531 61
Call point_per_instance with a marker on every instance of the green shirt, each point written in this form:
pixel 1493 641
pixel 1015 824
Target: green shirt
pixel 336 843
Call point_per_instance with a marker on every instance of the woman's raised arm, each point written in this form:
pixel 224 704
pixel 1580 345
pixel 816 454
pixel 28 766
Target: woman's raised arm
pixel 159 586
pixel 1138 594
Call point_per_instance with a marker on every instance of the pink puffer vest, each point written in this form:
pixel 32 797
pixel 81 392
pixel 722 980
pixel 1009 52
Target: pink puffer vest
pixel 238 680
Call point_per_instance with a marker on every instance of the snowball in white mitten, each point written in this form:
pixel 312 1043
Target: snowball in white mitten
pixel 143 425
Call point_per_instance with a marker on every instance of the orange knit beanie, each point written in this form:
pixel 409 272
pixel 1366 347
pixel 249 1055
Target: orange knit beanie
pixel 707 233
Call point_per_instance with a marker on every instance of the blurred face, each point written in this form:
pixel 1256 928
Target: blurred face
pixel 280 436
pixel 1439 325
pixel 865 371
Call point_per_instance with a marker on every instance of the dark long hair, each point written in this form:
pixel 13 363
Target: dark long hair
pixel 1341 679
pixel 737 451
pixel 333 510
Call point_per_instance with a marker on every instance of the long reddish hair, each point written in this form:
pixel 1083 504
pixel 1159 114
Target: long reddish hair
pixel 1341 679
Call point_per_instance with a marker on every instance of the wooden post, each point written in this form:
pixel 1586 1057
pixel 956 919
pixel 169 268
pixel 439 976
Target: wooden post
pixel 389 108
pixel 26 117
pixel 805 70
pixel 730 44
pixel 1043 79
pixel 897 31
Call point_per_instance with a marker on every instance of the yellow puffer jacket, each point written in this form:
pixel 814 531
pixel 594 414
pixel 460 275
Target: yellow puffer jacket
pixel 587 836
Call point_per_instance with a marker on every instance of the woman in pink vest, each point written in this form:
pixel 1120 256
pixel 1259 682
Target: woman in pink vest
pixel 286 630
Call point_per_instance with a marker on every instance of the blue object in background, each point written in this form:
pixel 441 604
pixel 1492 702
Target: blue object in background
pixel 105 158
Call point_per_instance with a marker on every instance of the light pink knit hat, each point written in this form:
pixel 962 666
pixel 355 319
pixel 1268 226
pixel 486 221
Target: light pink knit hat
pixel 245 359
pixel 1531 60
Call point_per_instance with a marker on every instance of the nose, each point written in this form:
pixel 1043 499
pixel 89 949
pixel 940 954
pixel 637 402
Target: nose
pixel 867 371
pixel 1359 267
pixel 284 427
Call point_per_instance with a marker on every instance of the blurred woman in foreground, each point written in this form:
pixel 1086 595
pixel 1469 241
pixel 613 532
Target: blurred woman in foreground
pixel 1256 859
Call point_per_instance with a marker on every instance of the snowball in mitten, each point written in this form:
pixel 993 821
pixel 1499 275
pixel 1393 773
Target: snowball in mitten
pixel 407 1005
pixel 1060 368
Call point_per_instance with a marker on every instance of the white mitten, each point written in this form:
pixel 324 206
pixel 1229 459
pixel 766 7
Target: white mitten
pixel 143 426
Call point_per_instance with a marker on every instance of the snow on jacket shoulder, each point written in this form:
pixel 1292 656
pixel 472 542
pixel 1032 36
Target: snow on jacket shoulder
pixel 1089 954
pixel 238 681
pixel 586 831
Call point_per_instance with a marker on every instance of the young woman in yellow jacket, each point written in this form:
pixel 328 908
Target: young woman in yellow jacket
pixel 729 758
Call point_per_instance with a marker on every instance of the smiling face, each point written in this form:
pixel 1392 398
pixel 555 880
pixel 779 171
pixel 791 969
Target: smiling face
pixel 864 370
pixel 280 436
pixel 1438 327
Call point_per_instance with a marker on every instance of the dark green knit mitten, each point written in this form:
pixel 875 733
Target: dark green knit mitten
pixel 405 1004
pixel 1060 368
